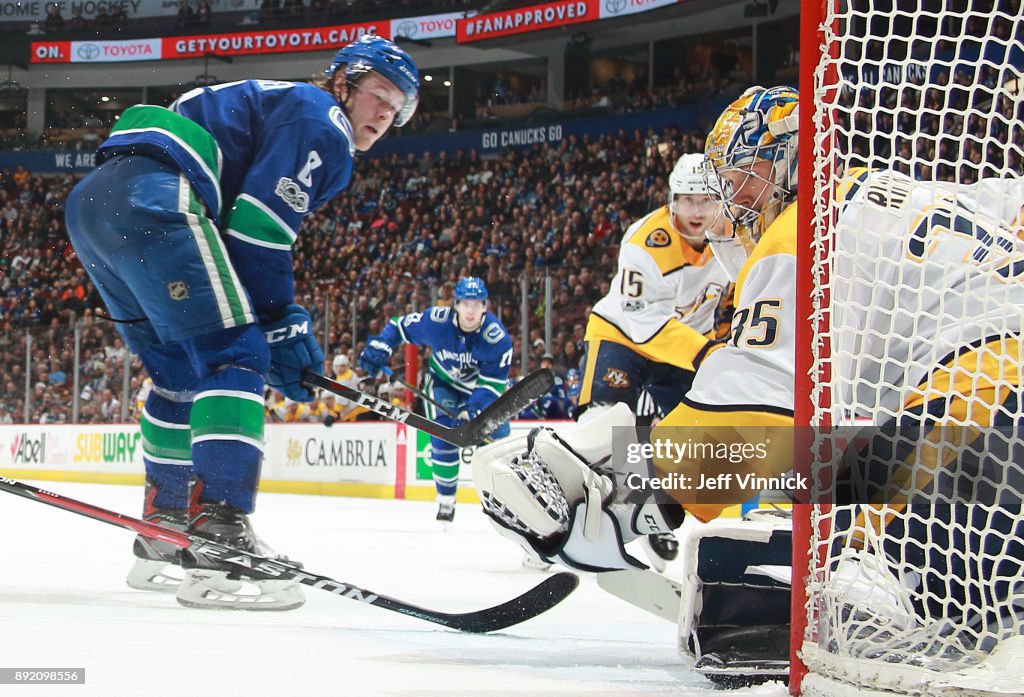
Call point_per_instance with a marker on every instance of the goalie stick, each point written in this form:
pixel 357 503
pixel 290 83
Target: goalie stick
pixel 533 602
pixel 473 432
pixel 657 594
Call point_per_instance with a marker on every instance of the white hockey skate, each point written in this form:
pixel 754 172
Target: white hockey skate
pixel 207 585
pixel 157 564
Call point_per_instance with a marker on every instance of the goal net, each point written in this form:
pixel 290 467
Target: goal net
pixel 911 366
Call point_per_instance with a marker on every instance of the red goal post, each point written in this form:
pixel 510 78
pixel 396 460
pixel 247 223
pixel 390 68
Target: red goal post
pixel 922 88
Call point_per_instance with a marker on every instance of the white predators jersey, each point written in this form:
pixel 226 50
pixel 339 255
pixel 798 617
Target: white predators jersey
pixel 754 370
pixel 661 282
pixel 922 270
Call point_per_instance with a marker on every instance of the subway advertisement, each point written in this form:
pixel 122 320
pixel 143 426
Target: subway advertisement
pixel 376 458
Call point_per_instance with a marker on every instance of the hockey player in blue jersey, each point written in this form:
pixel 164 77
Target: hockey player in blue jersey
pixel 470 357
pixel 186 227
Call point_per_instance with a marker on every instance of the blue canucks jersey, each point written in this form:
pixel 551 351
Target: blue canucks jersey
pixel 260 155
pixel 475 363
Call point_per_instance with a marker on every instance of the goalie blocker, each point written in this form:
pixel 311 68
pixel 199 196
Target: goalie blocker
pixel 556 493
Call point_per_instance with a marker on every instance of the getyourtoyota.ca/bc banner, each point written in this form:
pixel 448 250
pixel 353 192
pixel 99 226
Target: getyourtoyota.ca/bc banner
pixel 197 46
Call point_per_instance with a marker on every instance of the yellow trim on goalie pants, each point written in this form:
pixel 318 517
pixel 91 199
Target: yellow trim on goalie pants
pixel 970 389
pixel 739 429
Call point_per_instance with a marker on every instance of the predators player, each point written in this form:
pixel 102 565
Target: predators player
pixel 654 327
pixel 913 353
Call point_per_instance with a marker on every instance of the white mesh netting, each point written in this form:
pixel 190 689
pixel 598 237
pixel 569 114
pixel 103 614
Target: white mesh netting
pixel 919 291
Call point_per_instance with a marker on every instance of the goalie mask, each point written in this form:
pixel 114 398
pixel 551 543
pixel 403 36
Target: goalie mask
pixel 760 126
pixel 752 169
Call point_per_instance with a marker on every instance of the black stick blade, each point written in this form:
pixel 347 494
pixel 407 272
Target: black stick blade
pixel 541 598
pixel 507 406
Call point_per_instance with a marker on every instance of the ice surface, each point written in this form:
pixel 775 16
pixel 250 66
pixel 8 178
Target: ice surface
pixel 64 604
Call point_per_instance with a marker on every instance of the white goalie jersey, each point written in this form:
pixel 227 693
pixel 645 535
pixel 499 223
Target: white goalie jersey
pixel 923 270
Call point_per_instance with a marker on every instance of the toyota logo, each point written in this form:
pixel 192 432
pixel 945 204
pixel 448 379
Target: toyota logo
pixel 88 52
pixel 615 6
pixel 407 29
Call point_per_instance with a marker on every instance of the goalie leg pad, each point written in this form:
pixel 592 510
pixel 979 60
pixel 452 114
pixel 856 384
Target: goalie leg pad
pixel 556 490
pixel 735 607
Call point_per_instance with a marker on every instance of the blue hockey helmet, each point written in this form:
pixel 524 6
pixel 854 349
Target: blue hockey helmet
pixel 471 288
pixel 375 53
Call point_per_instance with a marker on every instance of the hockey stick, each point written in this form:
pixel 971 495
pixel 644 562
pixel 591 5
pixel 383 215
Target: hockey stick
pixel 657 594
pixel 513 401
pixel 533 602
pixel 420 394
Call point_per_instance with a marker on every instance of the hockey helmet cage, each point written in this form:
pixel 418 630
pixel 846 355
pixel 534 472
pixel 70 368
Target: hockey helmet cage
pixel 762 124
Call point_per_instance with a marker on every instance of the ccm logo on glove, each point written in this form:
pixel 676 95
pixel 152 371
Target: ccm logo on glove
pixel 284 333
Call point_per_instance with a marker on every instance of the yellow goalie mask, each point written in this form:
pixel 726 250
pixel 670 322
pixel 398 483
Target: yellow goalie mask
pixel 752 167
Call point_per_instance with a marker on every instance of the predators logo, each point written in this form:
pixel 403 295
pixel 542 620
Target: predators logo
pixel 617 378
pixel 658 238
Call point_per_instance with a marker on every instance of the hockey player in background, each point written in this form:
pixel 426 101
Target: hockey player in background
pixel 186 228
pixel 470 358
pixel 954 362
pixel 649 334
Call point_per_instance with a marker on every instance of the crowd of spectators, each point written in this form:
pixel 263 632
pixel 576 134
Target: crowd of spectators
pixel 953 131
pixel 397 241
pixel 620 95
pixel 72 130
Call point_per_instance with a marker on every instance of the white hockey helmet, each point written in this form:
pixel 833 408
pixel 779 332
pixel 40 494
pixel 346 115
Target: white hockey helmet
pixel 687 177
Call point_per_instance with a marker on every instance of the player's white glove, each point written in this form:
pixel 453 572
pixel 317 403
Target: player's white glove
pixel 560 493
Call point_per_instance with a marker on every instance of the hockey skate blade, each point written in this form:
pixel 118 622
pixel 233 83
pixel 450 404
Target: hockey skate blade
pixel 646 590
pixel 213 590
pixel 152 575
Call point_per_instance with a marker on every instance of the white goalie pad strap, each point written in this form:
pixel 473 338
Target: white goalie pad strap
pixel 604 551
pixel 572 473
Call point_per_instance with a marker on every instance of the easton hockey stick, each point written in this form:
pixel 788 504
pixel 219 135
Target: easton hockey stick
pixel 473 432
pixel 544 596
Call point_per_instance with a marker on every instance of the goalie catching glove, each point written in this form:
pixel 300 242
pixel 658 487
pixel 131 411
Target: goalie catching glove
pixel 558 493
